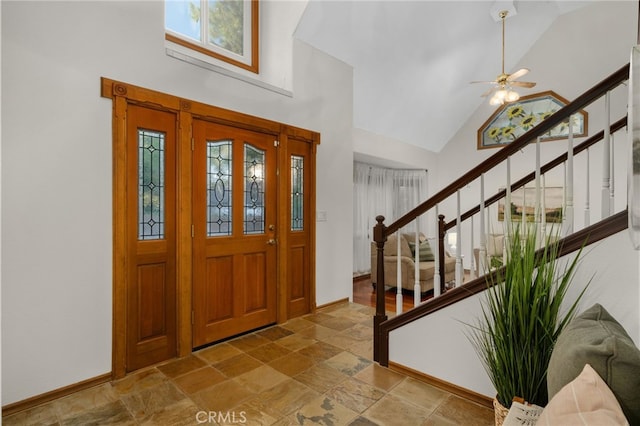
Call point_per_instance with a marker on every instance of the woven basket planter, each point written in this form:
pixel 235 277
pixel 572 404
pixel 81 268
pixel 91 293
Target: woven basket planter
pixel 499 411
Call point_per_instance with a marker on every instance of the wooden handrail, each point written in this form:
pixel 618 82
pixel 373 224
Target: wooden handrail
pixel 618 125
pixel 552 121
pixel 572 243
pixel 381 231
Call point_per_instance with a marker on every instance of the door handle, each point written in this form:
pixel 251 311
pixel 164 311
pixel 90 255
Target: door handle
pixel 271 241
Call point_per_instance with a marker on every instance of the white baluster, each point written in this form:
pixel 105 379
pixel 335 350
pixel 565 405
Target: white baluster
pixel 587 198
pixel 472 261
pixel 398 277
pixel 507 212
pixel 482 255
pixel 458 245
pixel 543 220
pixel 606 161
pixel 436 255
pixel 613 174
pixel 523 214
pixel 416 261
pixel 569 191
pixel 537 211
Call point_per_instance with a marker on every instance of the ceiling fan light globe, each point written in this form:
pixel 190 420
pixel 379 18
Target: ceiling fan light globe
pixel 495 101
pixel 512 96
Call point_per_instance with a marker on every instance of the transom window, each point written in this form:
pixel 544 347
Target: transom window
pixel 223 29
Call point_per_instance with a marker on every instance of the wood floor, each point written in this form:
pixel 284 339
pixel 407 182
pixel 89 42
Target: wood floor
pixel 364 294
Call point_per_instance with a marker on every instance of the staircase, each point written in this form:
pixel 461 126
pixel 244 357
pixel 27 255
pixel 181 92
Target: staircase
pixel 600 152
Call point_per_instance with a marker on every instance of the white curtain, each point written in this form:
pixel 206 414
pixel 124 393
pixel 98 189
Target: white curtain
pixel 387 192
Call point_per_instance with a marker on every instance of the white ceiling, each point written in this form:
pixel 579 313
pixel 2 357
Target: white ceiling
pixel 413 60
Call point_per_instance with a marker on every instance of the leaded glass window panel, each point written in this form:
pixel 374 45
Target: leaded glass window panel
pixel 254 185
pixel 297 193
pixel 219 188
pixel 151 209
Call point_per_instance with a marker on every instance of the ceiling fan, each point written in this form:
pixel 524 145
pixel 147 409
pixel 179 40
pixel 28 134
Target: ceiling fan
pixel 503 84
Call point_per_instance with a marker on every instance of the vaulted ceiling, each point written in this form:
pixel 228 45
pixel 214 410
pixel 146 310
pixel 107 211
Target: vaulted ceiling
pixel 413 60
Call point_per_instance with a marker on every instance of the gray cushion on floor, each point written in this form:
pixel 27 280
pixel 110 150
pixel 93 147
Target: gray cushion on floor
pixel 596 338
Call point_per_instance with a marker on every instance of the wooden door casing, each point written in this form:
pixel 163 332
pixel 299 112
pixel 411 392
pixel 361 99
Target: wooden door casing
pixel 178 270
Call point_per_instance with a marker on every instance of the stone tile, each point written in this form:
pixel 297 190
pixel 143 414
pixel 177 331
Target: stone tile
pixel 283 399
pixel 355 395
pixel 359 332
pixel 419 393
pixel 297 324
pixel 295 342
pixel 292 364
pixel 40 415
pixel 460 411
pixel 88 399
pixel 353 315
pixel 149 401
pixel 217 353
pixel 435 420
pixel 253 416
pixel 139 381
pixel 181 413
pixel 274 333
pixel 391 410
pixel 222 397
pixel 310 370
pixel 248 342
pixel 363 349
pixel 199 379
pixel 320 351
pixel 112 413
pixel 269 352
pixel 348 363
pixel 341 341
pixel 318 317
pixel 290 420
pixel 362 421
pixel 317 332
pixel 321 377
pixel 261 379
pixel 181 366
pixel 237 365
pixel 339 324
pixel 380 377
pixel 324 411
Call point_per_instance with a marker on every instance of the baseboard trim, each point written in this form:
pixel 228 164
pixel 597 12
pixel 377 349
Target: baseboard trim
pixel 333 304
pixel 444 385
pixel 34 401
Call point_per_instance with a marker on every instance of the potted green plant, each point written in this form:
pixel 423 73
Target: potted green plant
pixel 523 315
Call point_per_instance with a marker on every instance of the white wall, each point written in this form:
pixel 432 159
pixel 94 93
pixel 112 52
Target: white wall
pixel 56 169
pixel 437 344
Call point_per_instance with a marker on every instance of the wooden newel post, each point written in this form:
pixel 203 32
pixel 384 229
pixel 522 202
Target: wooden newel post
pixel 441 233
pixel 380 238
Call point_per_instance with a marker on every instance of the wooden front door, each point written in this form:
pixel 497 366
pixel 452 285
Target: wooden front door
pixel 234 231
pixel 150 237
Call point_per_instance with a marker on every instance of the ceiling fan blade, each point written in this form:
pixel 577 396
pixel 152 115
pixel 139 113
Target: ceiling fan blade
pixel 482 82
pixel 528 84
pixel 488 92
pixel 518 74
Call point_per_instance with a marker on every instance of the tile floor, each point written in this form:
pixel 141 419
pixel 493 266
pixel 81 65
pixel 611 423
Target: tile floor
pixel 313 370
